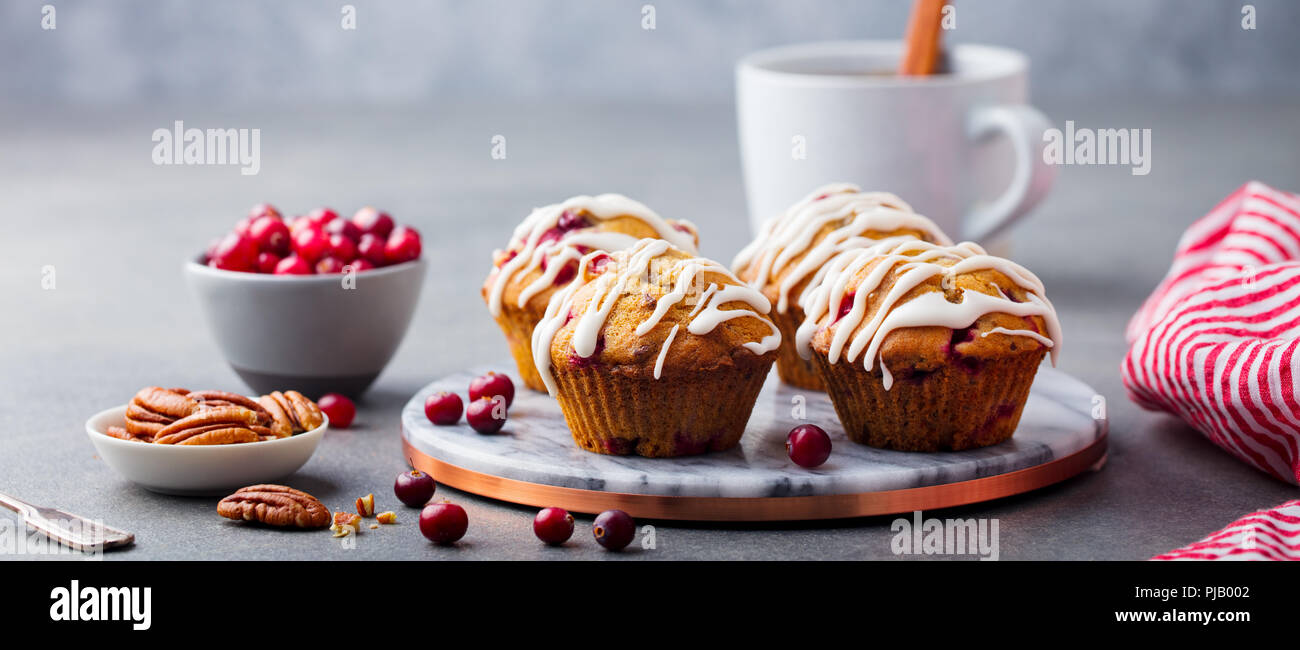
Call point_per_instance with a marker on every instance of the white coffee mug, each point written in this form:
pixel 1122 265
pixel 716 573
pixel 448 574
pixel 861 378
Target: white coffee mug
pixel 961 147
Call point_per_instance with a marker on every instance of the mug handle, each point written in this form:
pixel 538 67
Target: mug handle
pixel 1024 127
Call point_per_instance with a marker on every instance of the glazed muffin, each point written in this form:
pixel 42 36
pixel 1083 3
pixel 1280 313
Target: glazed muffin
pixel 543 256
pixel 788 256
pixel 925 347
pixel 655 352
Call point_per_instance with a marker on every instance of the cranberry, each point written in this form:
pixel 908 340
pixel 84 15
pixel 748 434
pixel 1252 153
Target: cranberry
pixel 403 245
pixel 571 221
pixel 576 361
pixel 340 409
pixel 310 244
pixel 293 265
pixel 414 488
pixel 322 216
pixel 342 248
pixel 553 526
pixel 566 274
pixel 359 265
pixel 846 306
pixel 373 222
pixel 570 268
pixel 487 414
pixel 443 408
pixel 263 210
pixel 963 335
pixel 598 263
pixel 241 226
pixel 491 385
pixel 271 235
pixel 443 523
pixel 553 234
pixel 371 247
pixel 300 223
pixel 341 226
pixel 266 262
pixel 329 264
pixel 808 445
pixel 614 529
pixel 235 253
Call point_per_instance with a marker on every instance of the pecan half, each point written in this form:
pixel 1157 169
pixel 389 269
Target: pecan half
pixel 220 436
pixel 219 415
pixel 281 422
pixel 141 414
pixel 217 398
pixel 305 411
pixel 208 421
pixel 300 412
pixel 275 505
pixel 153 408
pixel 164 401
pixel 122 434
pixel 138 428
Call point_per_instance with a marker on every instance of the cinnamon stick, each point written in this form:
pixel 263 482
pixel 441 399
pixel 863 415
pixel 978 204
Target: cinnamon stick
pixel 921 46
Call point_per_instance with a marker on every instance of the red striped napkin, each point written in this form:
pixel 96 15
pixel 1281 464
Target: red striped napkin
pixel 1216 344
pixel 1272 534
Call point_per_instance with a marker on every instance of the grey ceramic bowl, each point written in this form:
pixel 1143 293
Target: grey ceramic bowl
pixel 308 333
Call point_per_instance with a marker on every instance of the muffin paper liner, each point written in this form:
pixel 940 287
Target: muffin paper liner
pixel 620 410
pixel 956 407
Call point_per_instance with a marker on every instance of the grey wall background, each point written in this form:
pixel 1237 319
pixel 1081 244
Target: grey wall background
pixel 289 52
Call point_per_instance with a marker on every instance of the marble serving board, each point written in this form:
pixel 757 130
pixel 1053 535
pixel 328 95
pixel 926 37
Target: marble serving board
pixel 535 447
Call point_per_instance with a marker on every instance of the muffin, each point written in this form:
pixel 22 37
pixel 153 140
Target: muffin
pixel 655 352
pixel 925 347
pixel 543 256
pixel 789 254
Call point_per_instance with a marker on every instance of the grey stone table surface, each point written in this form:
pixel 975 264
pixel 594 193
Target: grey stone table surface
pixel 81 199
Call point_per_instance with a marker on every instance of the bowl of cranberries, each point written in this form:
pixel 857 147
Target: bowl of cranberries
pixel 318 302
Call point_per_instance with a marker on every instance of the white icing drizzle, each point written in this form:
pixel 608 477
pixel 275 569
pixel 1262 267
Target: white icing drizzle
pixel 531 251
pixel 791 234
pixel 1030 333
pixel 704 298
pixel 560 252
pixel 663 351
pixel 914 262
pixel 633 264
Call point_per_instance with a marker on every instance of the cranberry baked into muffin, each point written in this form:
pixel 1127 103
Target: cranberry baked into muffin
pixel 926 347
pixel 543 256
pixel 655 352
pixel 790 253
